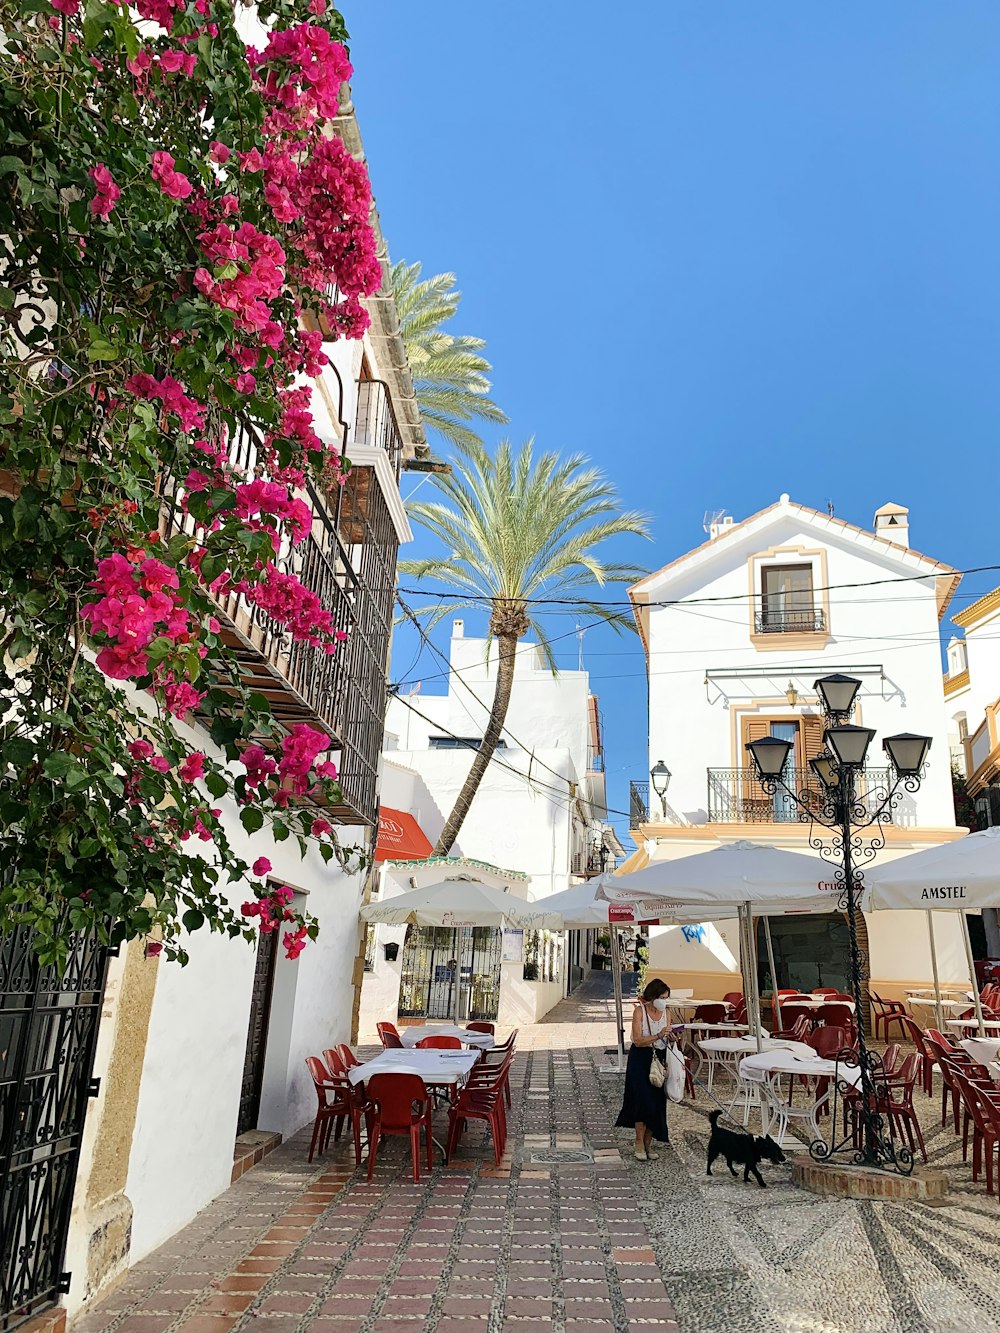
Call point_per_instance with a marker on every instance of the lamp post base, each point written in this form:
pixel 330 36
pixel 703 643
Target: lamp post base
pixel 841 1181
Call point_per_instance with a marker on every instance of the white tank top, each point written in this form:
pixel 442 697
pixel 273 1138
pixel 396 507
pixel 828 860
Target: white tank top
pixel 651 1029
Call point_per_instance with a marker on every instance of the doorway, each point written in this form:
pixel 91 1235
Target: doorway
pixel 430 972
pixel 260 1017
pixel 810 951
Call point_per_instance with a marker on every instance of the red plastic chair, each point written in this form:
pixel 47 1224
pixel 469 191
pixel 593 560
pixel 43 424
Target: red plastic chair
pixel 799 1031
pixel 481 1027
pixel 337 1101
pixel 389 1037
pixel 482 1099
pixel 733 997
pixel 497 1055
pixel 792 1013
pixel 401 1106
pixel 894 1100
pixel 350 1060
pixel 892 1059
pixel 335 1062
pixel 885 1013
pixel 951 1063
pixel 929 1057
pixel 740 1011
pixel 709 1013
pixel 982 1108
pixel 439 1044
pixel 835 1016
pixel 829 1041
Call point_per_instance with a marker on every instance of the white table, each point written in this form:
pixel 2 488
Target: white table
pixel 725 1054
pixel 434 1067
pixel 990 1024
pixel 814 1002
pixel 984 1050
pixel 766 1071
pixel 480 1041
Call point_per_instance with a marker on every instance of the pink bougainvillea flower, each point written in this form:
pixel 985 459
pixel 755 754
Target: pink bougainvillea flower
pixel 160 762
pixel 327 769
pixel 140 749
pixel 153 948
pixel 320 827
pixel 218 152
pixel 193 767
pixel 251 161
pixel 106 193
pixel 68 7
pixel 261 866
pixel 294 942
pixel 171 182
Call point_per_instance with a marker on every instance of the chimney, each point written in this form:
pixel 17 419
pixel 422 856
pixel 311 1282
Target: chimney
pixel 458 629
pixel 892 522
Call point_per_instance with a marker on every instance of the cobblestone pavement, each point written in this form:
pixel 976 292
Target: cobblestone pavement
pixel 569 1235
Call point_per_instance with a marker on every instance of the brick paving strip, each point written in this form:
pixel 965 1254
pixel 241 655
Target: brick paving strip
pixel 554 1246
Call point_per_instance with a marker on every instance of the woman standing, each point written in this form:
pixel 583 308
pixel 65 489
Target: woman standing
pixel 644 1108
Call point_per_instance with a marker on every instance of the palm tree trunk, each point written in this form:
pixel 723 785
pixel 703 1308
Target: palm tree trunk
pixel 487 747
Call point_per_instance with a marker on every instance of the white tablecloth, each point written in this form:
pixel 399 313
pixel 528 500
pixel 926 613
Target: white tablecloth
pixel 432 1066
pixel 814 1002
pixel 480 1041
pixel 984 1050
pixel 715 1027
pixel 990 1024
pixel 759 1067
pixel 731 1045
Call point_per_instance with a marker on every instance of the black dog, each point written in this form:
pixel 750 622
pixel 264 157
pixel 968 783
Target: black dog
pixel 742 1148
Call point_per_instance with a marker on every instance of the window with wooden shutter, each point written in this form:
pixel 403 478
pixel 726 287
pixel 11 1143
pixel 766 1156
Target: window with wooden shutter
pixel 753 801
pixel 811 731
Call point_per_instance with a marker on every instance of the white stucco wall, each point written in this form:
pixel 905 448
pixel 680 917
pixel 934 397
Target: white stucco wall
pixel 189 1097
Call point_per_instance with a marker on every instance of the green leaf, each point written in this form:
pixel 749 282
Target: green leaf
pixel 252 819
pixel 19 752
pixel 216 783
pixel 101 350
pixel 192 919
pixel 279 830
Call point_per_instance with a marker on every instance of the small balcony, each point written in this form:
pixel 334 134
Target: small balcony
pixel 799 620
pixel 735 795
pixel 586 865
pixel 375 425
pixel 348 559
pixel 638 803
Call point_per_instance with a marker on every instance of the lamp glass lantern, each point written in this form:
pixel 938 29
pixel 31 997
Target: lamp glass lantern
pixel 907 751
pixel 660 777
pixel 849 744
pixel 770 755
pixel 825 768
pixel 838 692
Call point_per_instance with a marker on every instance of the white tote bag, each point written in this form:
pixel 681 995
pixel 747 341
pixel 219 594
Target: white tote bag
pixel 676 1074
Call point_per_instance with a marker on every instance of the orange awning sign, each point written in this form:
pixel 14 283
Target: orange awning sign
pixel 400 837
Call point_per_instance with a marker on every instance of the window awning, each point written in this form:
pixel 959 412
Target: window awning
pixel 400 837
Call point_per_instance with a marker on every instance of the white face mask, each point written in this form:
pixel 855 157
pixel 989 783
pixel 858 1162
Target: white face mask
pixel 663 1004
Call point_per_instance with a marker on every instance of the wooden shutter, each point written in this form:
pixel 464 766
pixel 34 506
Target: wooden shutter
pixel 811 732
pixel 749 793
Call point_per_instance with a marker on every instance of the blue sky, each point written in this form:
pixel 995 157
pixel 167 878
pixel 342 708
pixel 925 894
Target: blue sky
pixel 726 250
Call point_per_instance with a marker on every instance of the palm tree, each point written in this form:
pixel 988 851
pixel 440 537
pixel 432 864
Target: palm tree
pixel 449 375
pixel 514 529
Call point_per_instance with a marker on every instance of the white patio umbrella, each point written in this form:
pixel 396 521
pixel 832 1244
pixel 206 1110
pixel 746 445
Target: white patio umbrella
pixel 959 876
pixel 455 904
pixel 738 879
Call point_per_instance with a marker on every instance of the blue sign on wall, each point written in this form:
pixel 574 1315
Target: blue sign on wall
pixel 693 934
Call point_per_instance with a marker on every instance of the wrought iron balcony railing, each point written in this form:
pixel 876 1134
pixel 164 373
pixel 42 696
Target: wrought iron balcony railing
pixel 638 803
pixel 735 795
pixel 348 559
pixel 801 620
pixel 375 426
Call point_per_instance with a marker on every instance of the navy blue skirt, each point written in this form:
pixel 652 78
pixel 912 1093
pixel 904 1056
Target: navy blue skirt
pixel 642 1103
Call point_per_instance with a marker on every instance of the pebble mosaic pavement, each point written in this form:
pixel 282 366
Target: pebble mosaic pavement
pixel 592 1240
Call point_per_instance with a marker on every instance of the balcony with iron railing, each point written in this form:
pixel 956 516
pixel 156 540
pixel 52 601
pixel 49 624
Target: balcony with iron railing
pixel 798 620
pixel 348 560
pixel 375 424
pixel 638 803
pixel 735 795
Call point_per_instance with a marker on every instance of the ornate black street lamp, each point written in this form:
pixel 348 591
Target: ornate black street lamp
pixel 660 777
pixel 847 806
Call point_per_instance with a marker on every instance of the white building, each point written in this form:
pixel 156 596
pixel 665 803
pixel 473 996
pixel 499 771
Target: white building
pixel 736 632
pixel 972 703
pixel 540 814
pixel 202 1067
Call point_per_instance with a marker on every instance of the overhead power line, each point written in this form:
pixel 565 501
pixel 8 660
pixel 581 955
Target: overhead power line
pixel 695 601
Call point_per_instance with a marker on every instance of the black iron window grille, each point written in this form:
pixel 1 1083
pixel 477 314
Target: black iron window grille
pixel 795 620
pixel 375 426
pixel 48 1033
